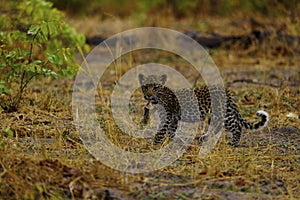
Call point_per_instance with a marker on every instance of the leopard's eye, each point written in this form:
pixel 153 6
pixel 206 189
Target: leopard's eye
pixel 144 88
pixel 155 87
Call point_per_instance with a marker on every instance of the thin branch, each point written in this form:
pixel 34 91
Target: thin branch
pixel 27 81
pixel 23 82
pixel 31 45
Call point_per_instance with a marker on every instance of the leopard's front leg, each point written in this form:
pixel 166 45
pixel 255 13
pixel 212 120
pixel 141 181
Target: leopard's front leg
pixel 146 114
pixel 167 128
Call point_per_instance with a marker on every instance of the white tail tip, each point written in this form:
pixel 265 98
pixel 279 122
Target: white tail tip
pixel 263 113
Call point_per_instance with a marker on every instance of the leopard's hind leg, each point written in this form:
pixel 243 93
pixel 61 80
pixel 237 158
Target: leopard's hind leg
pixel 233 126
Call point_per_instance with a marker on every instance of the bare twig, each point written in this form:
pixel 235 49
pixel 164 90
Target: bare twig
pixel 24 82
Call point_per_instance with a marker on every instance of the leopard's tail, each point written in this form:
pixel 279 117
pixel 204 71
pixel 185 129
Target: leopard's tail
pixel 260 124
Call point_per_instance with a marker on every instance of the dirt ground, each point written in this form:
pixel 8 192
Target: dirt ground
pixel 46 159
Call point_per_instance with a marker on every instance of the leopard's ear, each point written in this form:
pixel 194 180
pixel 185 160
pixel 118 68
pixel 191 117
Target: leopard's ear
pixel 163 79
pixel 141 79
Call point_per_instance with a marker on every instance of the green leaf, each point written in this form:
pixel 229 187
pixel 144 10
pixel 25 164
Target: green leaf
pixel 52 58
pixel 53 27
pixel 11 54
pixel 3 64
pixel 16 34
pixel 9 132
pixel 9 39
pixel 47 72
pixel 33 30
pixel 37 62
pixel 53 74
pixel 25 52
pixel 39 188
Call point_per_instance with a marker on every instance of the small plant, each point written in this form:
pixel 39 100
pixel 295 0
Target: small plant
pixel 34 42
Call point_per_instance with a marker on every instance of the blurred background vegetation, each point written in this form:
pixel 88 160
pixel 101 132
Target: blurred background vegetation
pixel 178 8
pixel 164 12
pixel 180 15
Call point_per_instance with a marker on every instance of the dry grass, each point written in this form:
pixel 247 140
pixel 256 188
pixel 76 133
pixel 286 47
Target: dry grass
pixel 45 159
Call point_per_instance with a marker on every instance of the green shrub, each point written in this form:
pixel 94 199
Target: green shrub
pixel 35 42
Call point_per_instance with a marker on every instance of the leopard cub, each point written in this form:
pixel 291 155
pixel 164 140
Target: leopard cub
pixel 157 94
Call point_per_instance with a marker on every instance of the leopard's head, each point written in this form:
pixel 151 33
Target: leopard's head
pixel 152 87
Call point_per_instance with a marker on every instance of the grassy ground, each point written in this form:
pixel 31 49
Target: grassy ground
pixel 45 158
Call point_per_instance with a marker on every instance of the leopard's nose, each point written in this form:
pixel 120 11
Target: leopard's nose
pixel 148 97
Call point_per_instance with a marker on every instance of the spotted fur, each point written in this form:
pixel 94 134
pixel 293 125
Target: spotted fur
pixel 170 112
